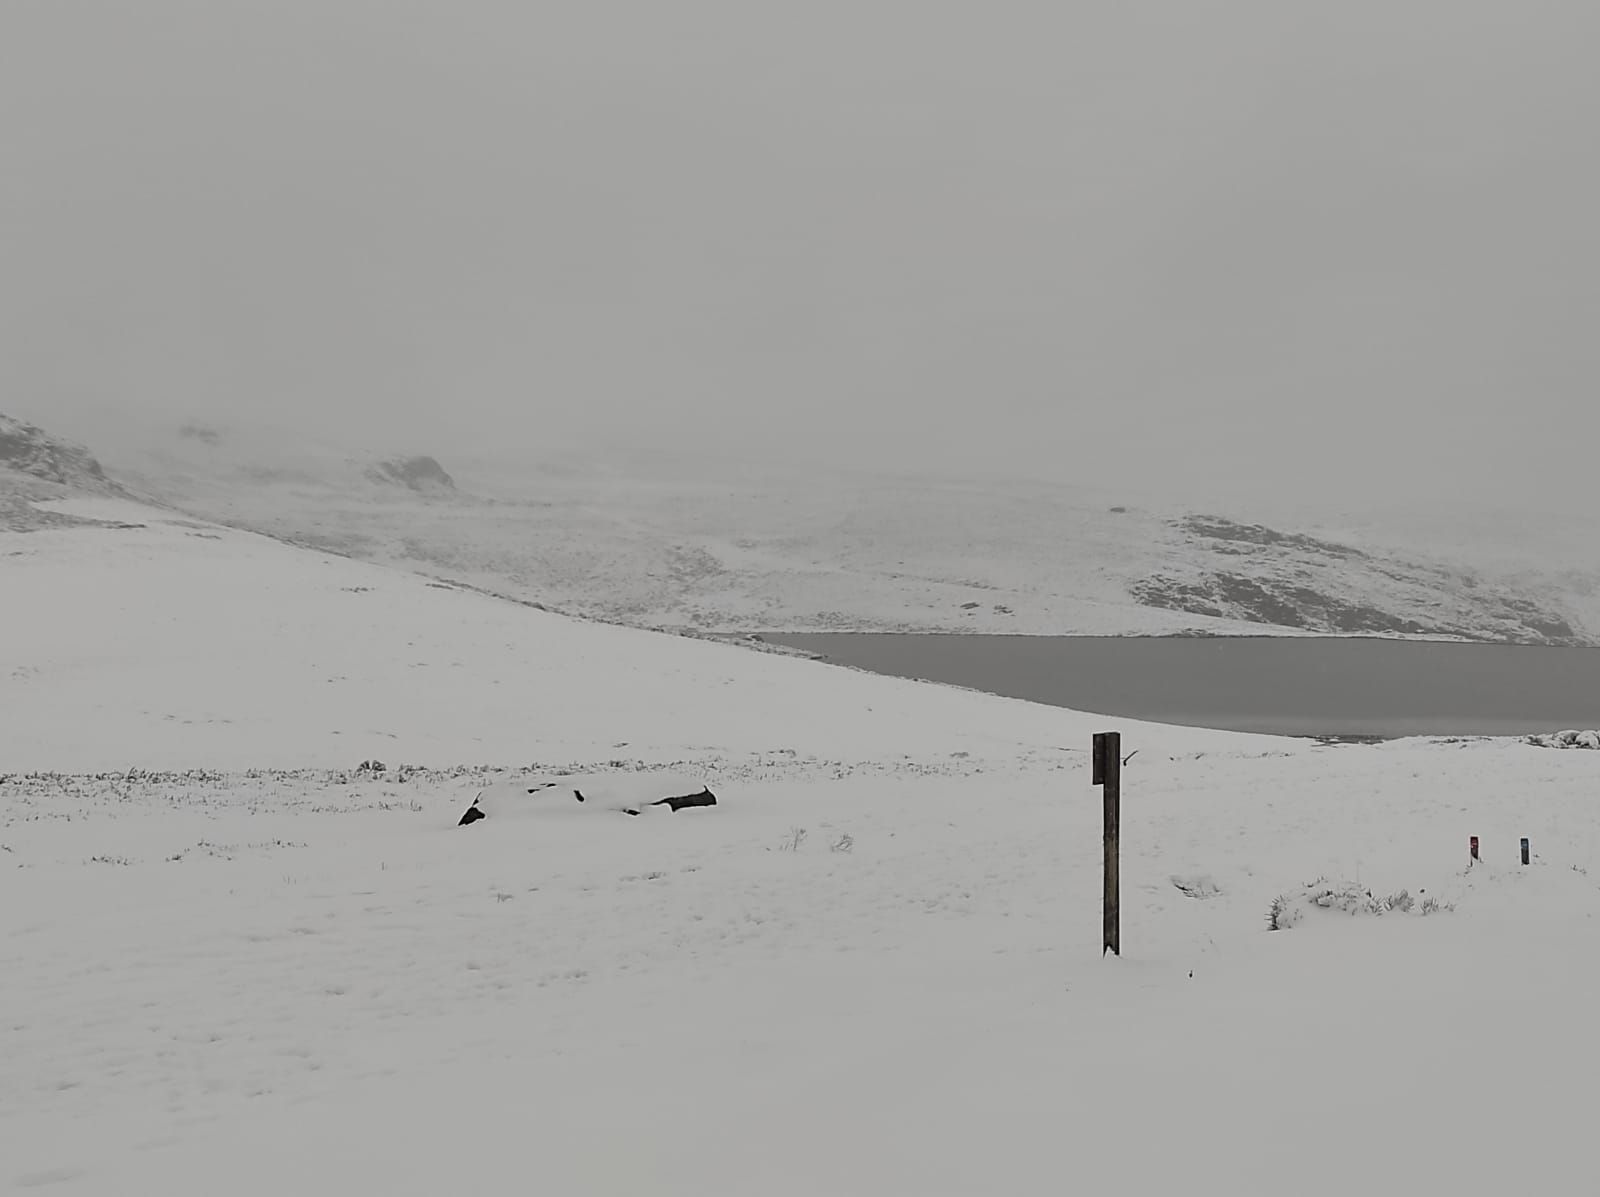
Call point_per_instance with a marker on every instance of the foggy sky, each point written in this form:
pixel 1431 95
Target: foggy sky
pixel 1317 249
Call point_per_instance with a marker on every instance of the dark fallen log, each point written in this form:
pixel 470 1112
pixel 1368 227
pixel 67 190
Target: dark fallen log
pixel 677 802
pixel 629 794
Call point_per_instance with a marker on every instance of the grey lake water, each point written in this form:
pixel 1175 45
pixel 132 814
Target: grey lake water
pixel 1283 685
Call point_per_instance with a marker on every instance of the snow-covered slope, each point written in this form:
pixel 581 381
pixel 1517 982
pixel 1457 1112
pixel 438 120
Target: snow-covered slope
pixel 166 643
pixel 695 544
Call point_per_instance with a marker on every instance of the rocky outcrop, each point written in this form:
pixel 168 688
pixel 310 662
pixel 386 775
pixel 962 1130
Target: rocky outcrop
pixel 34 452
pixel 1256 574
pixel 422 474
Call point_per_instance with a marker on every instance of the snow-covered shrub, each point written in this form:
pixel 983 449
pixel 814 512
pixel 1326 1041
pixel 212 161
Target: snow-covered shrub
pixel 1195 885
pixel 1567 739
pixel 1283 913
pixel 1347 897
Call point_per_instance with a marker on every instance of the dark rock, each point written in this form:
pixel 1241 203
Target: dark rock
pixel 1288 604
pixel 682 801
pixel 34 452
pixel 1216 527
pixel 415 473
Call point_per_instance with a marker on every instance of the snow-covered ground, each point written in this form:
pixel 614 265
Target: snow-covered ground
pixel 232 963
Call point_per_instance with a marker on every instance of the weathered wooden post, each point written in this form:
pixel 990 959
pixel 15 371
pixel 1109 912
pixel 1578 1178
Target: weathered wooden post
pixel 1108 775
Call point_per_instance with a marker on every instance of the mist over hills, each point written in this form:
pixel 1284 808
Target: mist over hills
pixel 717 546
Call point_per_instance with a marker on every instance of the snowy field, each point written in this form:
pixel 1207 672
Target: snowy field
pixel 232 963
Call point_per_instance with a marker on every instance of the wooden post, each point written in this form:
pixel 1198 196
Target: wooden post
pixel 1108 775
pixel 1524 849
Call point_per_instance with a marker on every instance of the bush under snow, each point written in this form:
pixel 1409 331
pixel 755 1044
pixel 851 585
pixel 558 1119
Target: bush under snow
pixel 1348 897
pixel 1567 739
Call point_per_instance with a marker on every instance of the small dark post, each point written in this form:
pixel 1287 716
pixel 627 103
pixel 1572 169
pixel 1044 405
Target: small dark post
pixel 1473 847
pixel 1524 849
pixel 1108 775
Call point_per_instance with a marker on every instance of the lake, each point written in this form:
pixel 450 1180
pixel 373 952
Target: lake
pixel 1282 685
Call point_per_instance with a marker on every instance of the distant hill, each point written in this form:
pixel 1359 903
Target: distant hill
pixel 718 547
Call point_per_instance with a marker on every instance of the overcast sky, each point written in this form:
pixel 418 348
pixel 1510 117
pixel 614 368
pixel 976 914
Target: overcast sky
pixel 1317 248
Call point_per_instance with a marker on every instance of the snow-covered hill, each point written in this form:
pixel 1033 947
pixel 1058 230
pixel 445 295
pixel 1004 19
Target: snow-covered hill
pixel 145 639
pixel 693 544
